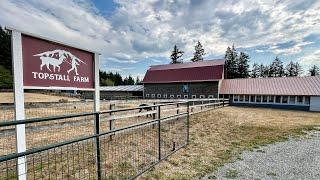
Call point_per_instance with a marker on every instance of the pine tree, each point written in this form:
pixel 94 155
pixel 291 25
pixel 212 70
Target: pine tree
pixel 5 49
pixel 137 80
pixel 266 71
pixel 314 71
pixel 130 80
pixel 255 70
pixel 261 70
pixel 230 68
pixel 290 69
pixel 276 68
pixel 243 66
pixel 199 52
pixel 298 69
pixel 176 55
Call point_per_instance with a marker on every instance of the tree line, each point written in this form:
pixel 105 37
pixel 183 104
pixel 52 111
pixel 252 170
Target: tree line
pixel 115 79
pixel 237 66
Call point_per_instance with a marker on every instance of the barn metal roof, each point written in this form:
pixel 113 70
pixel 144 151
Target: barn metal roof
pixel 122 88
pixel 309 86
pixel 210 70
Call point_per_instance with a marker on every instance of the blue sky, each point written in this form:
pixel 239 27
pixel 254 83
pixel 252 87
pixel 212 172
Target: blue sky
pixel 132 35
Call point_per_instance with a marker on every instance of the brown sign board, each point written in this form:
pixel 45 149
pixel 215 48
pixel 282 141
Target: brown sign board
pixel 48 64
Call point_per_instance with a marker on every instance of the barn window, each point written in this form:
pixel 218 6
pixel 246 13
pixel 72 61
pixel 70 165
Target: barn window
pixel 246 98
pixel 159 95
pixel 171 96
pixel 299 99
pixel 285 99
pixel 179 96
pixel 306 100
pixel 185 88
pixel 292 99
pixel 271 99
pixel 278 99
pixel 185 96
pixel 236 98
pixel 202 96
pixel 194 96
pixel 258 99
pixel 253 99
pixel 265 99
pixel 153 95
pixel 165 96
pixel 147 95
pixel 241 98
pixel 210 96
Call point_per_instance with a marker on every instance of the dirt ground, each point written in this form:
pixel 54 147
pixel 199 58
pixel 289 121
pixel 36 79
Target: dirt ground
pixel 219 136
pixel 7 97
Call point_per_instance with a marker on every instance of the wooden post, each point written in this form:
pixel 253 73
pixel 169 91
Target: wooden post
pixel 111 121
pixel 177 109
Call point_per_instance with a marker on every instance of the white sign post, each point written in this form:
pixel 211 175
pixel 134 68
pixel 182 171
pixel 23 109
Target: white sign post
pixel 19 102
pixel 22 46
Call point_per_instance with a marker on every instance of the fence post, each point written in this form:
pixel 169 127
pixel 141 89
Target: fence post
pixel 177 109
pixel 201 105
pixel 97 132
pixel 188 114
pixel 154 108
pixel 159 135
pixel 111 121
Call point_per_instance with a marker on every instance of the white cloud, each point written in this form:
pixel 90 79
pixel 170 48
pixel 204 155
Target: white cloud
pixel 312 58
pixel 144 29
pixel 295 49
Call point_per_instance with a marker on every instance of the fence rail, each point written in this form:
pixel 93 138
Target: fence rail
pixel 112 144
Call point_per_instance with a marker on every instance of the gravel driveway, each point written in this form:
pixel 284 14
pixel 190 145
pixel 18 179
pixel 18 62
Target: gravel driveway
pixel 293 159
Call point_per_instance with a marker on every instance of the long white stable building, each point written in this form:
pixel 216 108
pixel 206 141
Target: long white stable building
pixel 301 93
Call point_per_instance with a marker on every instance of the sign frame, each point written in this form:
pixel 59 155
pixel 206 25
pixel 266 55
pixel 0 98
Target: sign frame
pixel 17 64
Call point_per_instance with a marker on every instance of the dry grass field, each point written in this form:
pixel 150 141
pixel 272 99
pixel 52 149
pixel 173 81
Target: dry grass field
pixel 219 136
pixel 7 97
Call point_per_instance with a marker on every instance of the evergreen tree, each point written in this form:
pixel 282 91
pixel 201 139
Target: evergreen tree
pixel 262 71
pixel 138 81
pixel 276 68
pixel 255 70
pixel 314 71
pixel 6 80
pixel 199 52
pixel 243 66
pixel 5 50
pixel 176 55
pixel 298 69
pixel 117 79
pixel 290 69
pixel 130 80
pixel 266 71
pixel 230 68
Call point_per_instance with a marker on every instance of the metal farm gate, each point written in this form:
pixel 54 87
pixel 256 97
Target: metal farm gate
pixel 113 144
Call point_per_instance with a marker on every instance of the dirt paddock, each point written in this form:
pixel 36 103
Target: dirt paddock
pixel 219 136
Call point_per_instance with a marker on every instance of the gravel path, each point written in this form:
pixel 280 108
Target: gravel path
pixel 293 159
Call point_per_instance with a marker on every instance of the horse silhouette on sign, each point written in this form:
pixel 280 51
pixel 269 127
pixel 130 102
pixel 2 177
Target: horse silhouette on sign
pixel 56 57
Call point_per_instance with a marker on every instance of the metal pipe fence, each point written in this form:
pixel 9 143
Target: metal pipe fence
pixel 112 144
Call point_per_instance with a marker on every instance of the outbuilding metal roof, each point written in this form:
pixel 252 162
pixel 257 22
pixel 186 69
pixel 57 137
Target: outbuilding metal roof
pixel 210 70
pixel 309 86
pixel 122 88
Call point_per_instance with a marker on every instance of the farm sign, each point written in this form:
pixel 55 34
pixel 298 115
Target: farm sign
pixel 49 64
